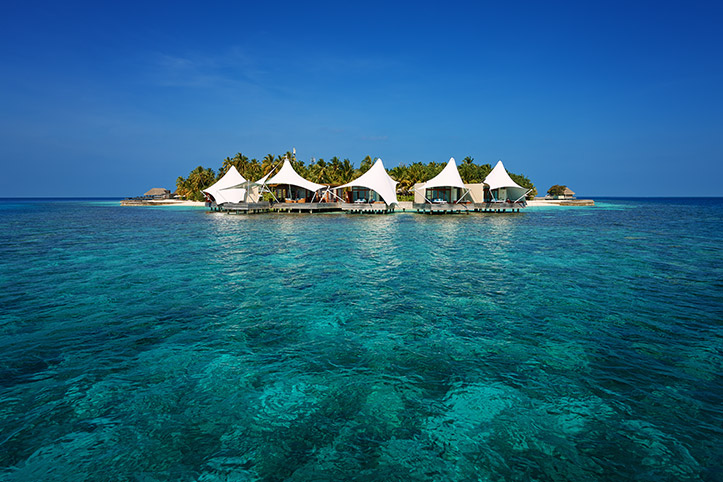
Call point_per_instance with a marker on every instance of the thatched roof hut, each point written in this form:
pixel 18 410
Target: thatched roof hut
pixel 158 193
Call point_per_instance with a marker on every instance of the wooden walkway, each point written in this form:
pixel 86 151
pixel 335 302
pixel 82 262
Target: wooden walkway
pixel 305 207
pixel 241 208
pixel 366 208
pixel 363 208
pixel 430 208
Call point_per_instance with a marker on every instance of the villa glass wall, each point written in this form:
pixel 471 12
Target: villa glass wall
pixel 446 194
pixel 292 193
pixel 362 194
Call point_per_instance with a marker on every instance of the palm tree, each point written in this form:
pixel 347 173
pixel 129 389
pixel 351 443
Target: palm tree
pixel 366 164
pixel 182 187
pixel 402 174
pixel 241 162
pixel 318 171
pixel 198 180
pixel 468 170
pixel 253 170
pixel 268 163
pixel 298 166
pixel 345 173
pixel 225 166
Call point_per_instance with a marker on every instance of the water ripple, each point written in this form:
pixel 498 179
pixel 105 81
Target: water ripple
pixel 560 344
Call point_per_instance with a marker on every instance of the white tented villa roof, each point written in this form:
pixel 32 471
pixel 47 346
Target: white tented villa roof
pixel 249 183
pixel 287 175
pixel 227 189
pixel 377 179
pixel 262 181
pixel 499 179
pixel 448 177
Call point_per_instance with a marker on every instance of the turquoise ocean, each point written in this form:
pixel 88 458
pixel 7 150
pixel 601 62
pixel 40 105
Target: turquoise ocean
pixel 149 344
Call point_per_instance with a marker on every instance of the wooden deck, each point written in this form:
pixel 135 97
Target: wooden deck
pixel 363 208
pixel 431 208
pixel 366 208
pixel 241 208
pixel 305 207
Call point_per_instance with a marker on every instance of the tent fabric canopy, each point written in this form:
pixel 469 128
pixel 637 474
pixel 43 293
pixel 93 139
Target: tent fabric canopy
pixel 377 179
pixel 287 175
pixel 499 179
pixel 262 181
pixel 448 177
pixel 248 183
pixel 227 189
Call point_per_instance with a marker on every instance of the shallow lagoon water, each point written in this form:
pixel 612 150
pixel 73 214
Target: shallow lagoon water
pixel 174 344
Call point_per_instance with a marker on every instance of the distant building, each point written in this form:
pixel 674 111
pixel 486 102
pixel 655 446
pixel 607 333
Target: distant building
pixel 567 194
pixel 158 193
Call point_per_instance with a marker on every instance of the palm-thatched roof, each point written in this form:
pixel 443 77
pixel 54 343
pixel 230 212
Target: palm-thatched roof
pixel 157 191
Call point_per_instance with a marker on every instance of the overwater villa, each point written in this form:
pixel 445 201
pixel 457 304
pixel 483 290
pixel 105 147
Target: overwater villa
pixel 290 187
pixel 235 193
pixel 446 187
pixel 447 193
pixel 231 188
pixel 501 187
pixel 373 191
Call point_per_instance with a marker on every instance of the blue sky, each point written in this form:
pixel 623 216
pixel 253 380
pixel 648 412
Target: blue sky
pixel 610 98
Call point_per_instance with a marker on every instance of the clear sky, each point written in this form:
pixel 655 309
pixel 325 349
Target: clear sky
pixel 610 98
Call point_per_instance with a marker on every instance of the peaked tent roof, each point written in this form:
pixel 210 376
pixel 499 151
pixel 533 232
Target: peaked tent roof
pixel 249 183
pixel 287 175
pixel 499 178
pixel 377 179
pixel 448 177
pixel 262 181
pixel 226 189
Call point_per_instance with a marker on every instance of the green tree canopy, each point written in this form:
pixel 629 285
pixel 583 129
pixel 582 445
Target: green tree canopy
pixel 557 190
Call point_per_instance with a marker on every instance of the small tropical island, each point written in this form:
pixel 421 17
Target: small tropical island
pixel 460 188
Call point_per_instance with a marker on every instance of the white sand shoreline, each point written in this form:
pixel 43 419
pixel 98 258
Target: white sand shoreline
pixel 561 202
pixel 161 202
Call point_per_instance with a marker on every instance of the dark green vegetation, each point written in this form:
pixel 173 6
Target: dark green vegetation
pixel 335 172
pixel 557 190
